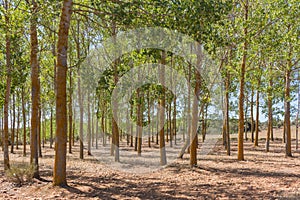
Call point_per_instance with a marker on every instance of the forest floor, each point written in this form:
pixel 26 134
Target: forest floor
pixel 218 176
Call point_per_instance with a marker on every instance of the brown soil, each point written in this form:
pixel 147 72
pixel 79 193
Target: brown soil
pixel 261 176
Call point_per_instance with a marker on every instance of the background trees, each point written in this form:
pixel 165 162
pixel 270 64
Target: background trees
pixel 255 43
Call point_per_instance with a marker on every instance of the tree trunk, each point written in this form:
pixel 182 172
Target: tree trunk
pixel 131 126
pixel 270 114
pixel 174 121
pixel 51 127
pixel 35 90
pixel 298 110
pixel 89 125
pixel 13 123
pixel 7 90
pixel 18 124
pixel 195 109
pixel 139 117
pixel 24 121
pixel 59 175
pixel 115 129
pixel 39 133
pixel 170 123
pixel 252 114
pixel 257 116
pixel 163 157
pixel 227 87
pixel 70 112
pixel 97 131
pixel 149 117
pixel 287 106
pixel 242 86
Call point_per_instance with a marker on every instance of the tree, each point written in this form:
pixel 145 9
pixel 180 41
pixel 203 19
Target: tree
pixel 161 112
pixel 59 176
pixel 35 89
pixel 8 84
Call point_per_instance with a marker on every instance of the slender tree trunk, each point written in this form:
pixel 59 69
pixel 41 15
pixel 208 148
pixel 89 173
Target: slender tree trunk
pixel 287 114
pixel 195 110
pixel 170 124
pixel 270 114
pixel 7 89
pixel 80 98
pixel 131 126
pixel 2 129
pixel 39 133
pixel 35 90
pixel 24 121
pixel 139 117
pixel 97 131
pixel 242 86
pixel 246 119
pixel 115 129
pixel 203 123
pixel 13 123
pixel 149 117
pixel 44 129
pixel 70 111
pixel 257 115
pixel 252 114
pixel 174 120
pixel 284 132
pixel 51 127
pixel 298 110
pixel 227 87
pixel 89 126
pixel 59 175
pixel 18 124
pixel 163 157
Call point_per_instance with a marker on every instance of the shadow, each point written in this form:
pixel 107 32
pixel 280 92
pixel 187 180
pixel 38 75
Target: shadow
pixel 113 187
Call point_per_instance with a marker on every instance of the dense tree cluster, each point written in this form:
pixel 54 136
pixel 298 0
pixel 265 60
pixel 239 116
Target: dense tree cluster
pixel 255 45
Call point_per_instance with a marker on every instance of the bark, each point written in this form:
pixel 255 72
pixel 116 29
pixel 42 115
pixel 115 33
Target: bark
pixel 51 127
pixel 252 114
pixel 13 123
pixel 115 129
pixel 7 91
pixel 270 114
pixel 139 117
pixel 195 110
pixel 242 86
pixel 89 126
pixel 257 116
pixel 174 121
pixel 163 158
pixel 170 124
pixel 97 131
pixel 246 119
pixel 70 112
pixel 227 87
pixel 18 125
pixel 24 121
pixel 149 117
pixel 298 110
pixel 59 175
pixel 35 90
pixel 288 145
pixel 39 133
pixel 131 126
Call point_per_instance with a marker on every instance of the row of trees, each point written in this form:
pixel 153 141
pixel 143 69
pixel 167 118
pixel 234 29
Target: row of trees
pixel 255 45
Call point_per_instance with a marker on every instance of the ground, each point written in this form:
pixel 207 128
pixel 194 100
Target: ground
pixel 218 176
